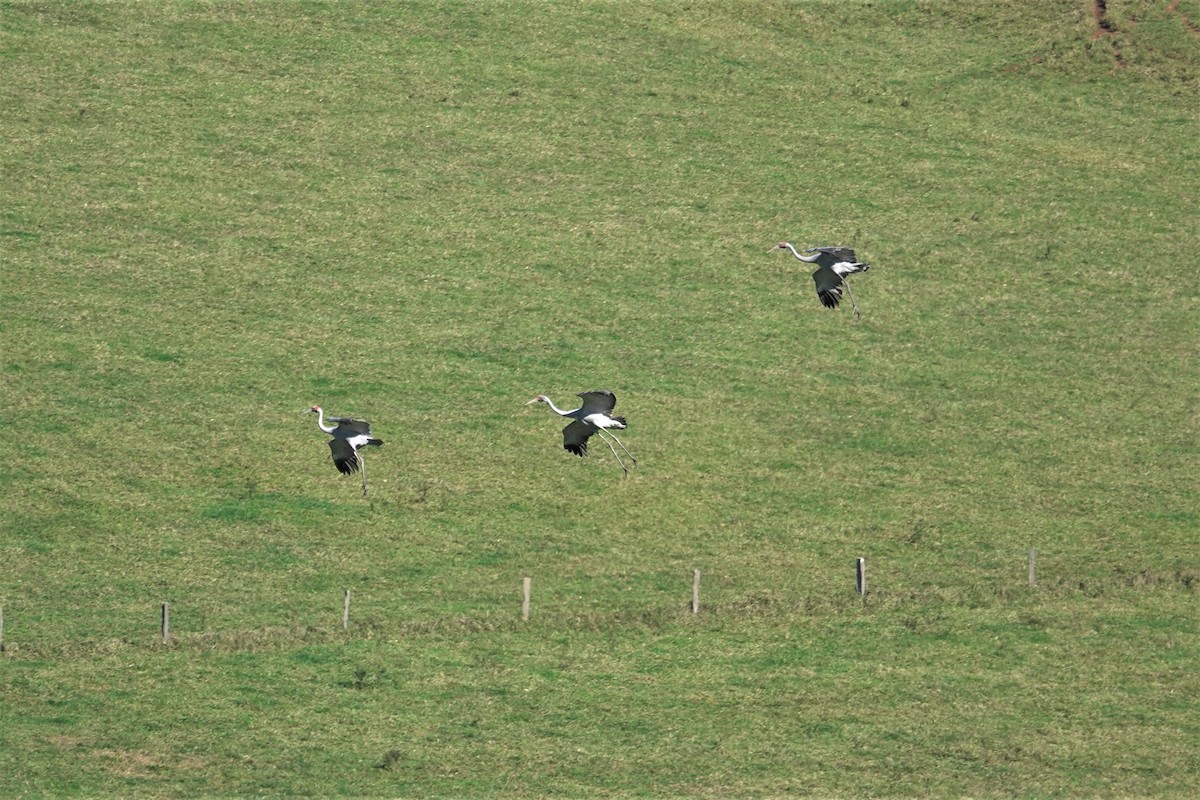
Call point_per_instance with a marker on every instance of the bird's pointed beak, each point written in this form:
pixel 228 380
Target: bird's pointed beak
pixel 531 402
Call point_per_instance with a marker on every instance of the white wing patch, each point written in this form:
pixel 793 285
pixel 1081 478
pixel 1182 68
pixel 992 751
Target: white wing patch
pixel 843 268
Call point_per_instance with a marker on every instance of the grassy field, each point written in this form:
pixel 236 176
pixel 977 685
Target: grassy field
pixel 217 214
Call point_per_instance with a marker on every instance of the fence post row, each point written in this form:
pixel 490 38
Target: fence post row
pixel 860 586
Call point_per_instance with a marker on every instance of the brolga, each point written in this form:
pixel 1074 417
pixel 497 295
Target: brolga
pixel 593 417
pixel 349 436
pixel 834 266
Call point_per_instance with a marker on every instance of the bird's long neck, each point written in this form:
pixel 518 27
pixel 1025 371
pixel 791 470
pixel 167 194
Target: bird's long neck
pixel 806 259
pixel 556 409
pixel 321 422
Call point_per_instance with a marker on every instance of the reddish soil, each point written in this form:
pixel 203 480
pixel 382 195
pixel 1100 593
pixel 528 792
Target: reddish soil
pixel 1103 24
pixel 1105 27
pixel 1173 7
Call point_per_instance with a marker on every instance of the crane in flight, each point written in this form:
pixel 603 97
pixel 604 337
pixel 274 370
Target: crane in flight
pixel 834 265
pixel 349 436
pixel 593 417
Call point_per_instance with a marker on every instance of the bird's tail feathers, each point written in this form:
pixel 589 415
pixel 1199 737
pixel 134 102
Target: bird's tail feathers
pixel 375 442
pixel 621 421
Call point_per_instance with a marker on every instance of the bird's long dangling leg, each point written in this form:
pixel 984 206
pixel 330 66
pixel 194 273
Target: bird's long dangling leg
pixel 362 465
pixel 603 438
pixel 632 457
pixel 849 291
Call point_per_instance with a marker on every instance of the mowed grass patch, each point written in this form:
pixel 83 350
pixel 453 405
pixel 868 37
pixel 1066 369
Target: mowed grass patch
pixel 217 215
pixel 846 701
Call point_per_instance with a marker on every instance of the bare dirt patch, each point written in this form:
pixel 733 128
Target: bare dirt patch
pixel 1173 8
pixel 1106 29
pixel 1103 24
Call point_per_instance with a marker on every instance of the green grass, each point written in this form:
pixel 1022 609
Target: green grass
pixel 218 214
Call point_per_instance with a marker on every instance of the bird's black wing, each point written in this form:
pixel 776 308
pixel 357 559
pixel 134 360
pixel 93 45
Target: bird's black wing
pixel 829 287
pixel 344 456
pixel 840 253
pixel 575 437
pixel 352 426
pixel 598 401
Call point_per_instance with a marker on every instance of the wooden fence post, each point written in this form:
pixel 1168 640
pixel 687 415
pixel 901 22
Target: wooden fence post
pixel 346 611
pixel 860 576
pixel 166 623
pixel 696 591
pixel 1032 567
pixel 525 586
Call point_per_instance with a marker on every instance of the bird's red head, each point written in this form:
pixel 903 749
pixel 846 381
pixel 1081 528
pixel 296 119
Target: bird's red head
pixel 541 398
pixel 315 409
